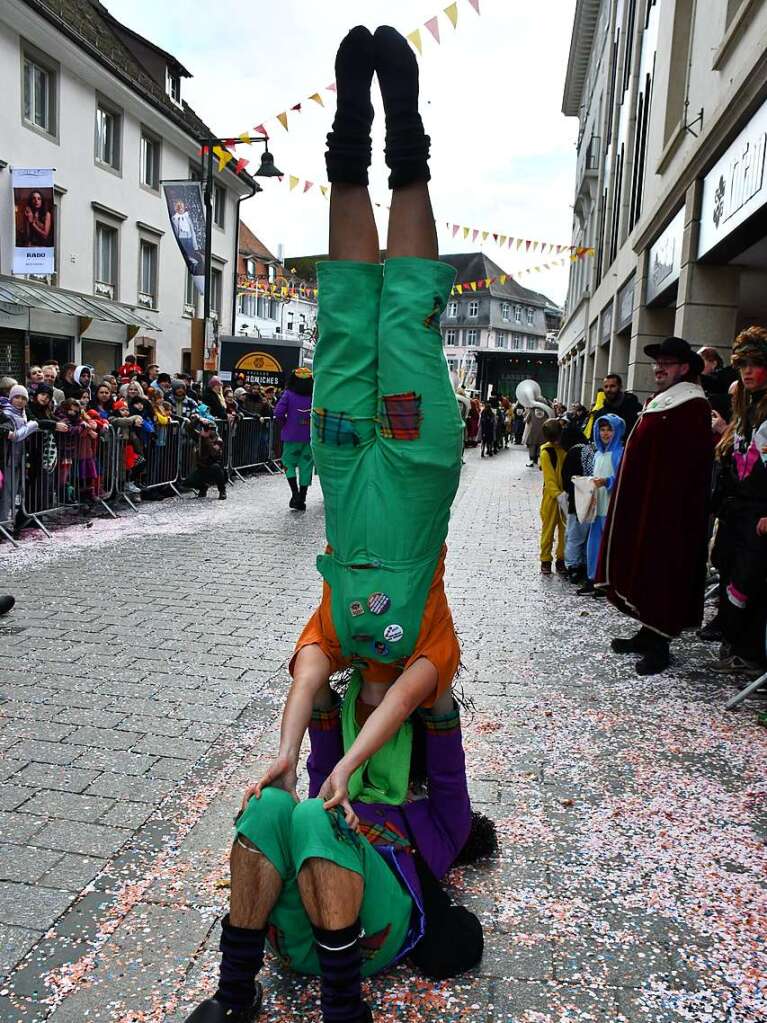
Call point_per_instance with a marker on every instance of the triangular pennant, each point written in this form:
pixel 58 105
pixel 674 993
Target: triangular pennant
pixel 293 182
pixel 528 243
pixel 240 166
pixel 317 98
pixel 324 190
pixel 488 281
pixel 433 26
pixel 452 13
pixel 475 5
pixel 502 240
pixel 297 108
pixel 414 37
pixel 331 87
pixel 308 185
pixel 459 288
pixel 456 229
pixel 223 157
pixel 230 142
pixel 283 119
pixel 503 278
pixel 473 285
pixel 259 129
pixel 474 234
pixel 535 246
pixel 519 244
pixel 495 238
pixel 484 235
pixel 245 138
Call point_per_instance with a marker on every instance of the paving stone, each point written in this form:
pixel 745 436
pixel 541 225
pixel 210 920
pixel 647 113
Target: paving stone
pixel 43 752
pixel 103 738
pixel 30 906
pixel 166 767
pixel 95 716
pixel 88 839
pixel 18 827
pixel 164 746
pixel 10 766
pixel 15 942
pixel 66 779
pixel 143 790
pixel 116 761
pixel 72 872
pixel 124 814
pixel 72 806
pixel 12 795
pixel 22 863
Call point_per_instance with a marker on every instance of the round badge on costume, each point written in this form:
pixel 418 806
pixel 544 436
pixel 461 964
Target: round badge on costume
pixel 379 603
pixel 381 648
pixel 393 633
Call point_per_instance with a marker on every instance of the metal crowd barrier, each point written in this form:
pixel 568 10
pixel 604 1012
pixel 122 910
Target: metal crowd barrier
pixel 52 472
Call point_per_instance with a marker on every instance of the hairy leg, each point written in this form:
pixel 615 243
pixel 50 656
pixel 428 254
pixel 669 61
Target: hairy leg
pixel 332 896
pixel 412 231
pixel 353 232
pixel 256 886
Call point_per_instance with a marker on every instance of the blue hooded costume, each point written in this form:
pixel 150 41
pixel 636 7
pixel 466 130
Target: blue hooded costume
pixel 606 464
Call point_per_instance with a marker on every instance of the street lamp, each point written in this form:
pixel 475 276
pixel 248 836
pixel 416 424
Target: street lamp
pixel 266 170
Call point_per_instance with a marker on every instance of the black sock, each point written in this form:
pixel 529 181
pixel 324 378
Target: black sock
pixel 407 145
pixel 242 956
pixel 349 145
pixel 341 964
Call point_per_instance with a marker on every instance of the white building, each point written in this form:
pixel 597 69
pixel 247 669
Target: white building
pixel 104 107
pixel 671 99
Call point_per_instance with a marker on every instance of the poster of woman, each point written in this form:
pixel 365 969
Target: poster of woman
pixel 187 219
pixel 34 221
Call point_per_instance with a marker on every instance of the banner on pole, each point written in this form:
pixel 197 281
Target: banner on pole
pixel 34 221
pixel 186 210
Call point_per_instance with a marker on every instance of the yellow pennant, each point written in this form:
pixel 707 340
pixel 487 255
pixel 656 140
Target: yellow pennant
pixel 519 244
pixel 293 182
pixel 484 235
pixel 503 278
pixel 473 285
pixel 466 232
pixel 324 190
pixel 317 98
pixel 223 157
pixel 459 288
pixel 502 240
pixel 415 38
pixel 245 138
pixel 283 119
pixel 452 13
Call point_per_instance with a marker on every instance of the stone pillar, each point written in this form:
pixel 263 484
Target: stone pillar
pixel 650 325
pixel 709 295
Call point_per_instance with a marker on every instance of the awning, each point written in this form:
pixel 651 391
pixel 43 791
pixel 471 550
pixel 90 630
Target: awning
pixel 30 295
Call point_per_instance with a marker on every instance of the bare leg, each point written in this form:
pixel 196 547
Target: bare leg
pixel 353 232
pixel 332 896
pixel 256 886
pixel 412 231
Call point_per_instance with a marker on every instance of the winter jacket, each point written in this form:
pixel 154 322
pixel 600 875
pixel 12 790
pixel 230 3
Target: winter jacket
pixel 22 428
pixel 294 412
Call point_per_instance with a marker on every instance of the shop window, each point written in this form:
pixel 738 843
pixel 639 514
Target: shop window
pixel 219 206
pixel 216 288
pixel 147 274
pixel 190 296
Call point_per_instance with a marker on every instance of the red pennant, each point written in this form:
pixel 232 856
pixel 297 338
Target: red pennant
pixel 331 87
pixel 475 5
pixel 433 26
pixel 528 243
pixel 307 185
pixel 261 130
pixel 240 166
pixel 297 108
pixel 231 142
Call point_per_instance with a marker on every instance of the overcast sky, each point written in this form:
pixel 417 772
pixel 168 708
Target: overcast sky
pixel 503 156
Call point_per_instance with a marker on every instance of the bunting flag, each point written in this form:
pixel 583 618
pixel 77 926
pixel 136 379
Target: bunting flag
pixel 487 282
pixel 415 37
pixel 262 286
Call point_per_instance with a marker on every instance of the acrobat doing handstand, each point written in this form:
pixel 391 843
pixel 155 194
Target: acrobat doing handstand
pixel 346 882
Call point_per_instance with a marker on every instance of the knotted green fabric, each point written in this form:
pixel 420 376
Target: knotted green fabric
pixel 385 777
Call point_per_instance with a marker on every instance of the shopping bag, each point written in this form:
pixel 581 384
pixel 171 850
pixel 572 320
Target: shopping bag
pixel 585 498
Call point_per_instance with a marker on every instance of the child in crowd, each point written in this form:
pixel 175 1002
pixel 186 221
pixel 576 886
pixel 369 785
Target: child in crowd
pixel 88 467
pixel 487 430
pixel 210 457
pixel 70 413
pixel 13 414
pixel 608 437
pixel 552 518
pixel 579 461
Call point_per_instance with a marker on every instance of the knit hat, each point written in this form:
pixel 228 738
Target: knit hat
pixel 18 391
pixel 119 405
pixel 750 344
pixel 43 388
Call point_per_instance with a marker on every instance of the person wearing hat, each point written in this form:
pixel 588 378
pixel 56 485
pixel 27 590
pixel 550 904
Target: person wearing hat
pixel 740 504
pixel 652 561
pixel 346 883
pixel 13 414
pixel 293 412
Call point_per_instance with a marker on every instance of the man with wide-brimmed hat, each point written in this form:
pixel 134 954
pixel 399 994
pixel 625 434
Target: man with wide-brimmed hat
pixel 653 556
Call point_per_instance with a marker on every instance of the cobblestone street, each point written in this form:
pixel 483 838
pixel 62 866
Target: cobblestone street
pixel 143 678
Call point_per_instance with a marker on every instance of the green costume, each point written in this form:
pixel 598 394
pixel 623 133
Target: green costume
pixel 288 834
pixel 387 439
pixel 297 459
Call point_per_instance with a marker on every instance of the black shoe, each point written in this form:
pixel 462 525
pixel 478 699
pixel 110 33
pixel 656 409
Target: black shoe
pixel 576 574
pixel 636 644
pixel 222 495
pixel 655 660
pixel 407 145
pixel 710 633
pixel 293 490
pixel 213 1011
pixel 588 587
pixel 202 493
pixel 349 144
pixel 300 500
pixel 6 603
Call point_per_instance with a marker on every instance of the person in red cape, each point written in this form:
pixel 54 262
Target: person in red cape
pixel 652 561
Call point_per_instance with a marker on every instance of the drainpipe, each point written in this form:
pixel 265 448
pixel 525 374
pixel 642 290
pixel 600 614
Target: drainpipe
pixel 254 189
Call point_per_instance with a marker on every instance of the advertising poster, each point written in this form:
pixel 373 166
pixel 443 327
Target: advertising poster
pixel 34 220
pixel 186 210
pixel 258 362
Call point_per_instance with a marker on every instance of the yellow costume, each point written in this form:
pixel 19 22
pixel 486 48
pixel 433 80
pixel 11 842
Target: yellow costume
pixel 552 460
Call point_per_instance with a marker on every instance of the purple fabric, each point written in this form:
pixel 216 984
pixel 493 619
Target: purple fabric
pixel 439 825
pixel 294 413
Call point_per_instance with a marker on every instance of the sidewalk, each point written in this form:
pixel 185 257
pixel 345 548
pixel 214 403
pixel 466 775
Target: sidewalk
pixel 631 880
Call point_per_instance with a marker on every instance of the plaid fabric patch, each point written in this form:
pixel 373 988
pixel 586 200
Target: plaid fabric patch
pixel 444 725
pixel 400 416
pixel 384 834
pixel 334 427
pixel 326 720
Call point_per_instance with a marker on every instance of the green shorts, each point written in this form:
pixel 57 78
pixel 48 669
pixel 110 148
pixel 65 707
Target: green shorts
pixel 288 834
pixel 298 456
pixel 387 442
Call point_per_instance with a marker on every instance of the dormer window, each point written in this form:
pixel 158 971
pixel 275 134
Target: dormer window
pixel 251 268
pixel 173 86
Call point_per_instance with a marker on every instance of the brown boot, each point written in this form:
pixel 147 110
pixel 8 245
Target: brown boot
pixel 545 568
pixel 561 568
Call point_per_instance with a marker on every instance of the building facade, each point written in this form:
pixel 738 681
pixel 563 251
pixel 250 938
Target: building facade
pixel 670 189
pixel 498 334
pixel 104 107
pixel 291 312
